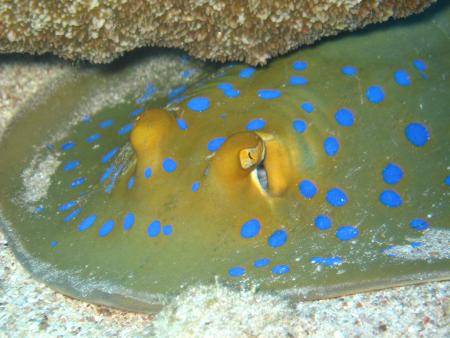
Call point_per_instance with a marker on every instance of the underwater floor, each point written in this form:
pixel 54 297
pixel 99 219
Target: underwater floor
pixel 28 307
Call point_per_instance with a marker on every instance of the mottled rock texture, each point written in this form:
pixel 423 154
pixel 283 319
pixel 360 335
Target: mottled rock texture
pixel 252 31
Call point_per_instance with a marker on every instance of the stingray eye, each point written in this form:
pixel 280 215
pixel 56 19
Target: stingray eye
pixel 238 158
pixel 254 157
pixel 261 175
pixel 257 156
pixel 274 172
pixel 250 157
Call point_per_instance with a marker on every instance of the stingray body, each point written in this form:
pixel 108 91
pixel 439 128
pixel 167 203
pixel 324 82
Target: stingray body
pixel 318 175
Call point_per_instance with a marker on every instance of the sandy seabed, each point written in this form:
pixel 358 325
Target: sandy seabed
pixel 30 309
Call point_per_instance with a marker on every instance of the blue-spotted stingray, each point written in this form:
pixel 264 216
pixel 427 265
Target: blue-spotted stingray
pixel 324 173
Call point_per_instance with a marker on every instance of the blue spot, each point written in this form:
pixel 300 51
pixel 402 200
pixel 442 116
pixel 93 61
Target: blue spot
pixel 232 92
pixel 307 189
pixel 349 71
pixel 185 59
pixel 106 228
pixel 198 104
pixel 137 112
pixel 262 262
pixel 68 146
pixel 402 77
pixel 280 269
pixel 326 261
pixel 386 251
pixel 316 260
pixel 177 91
pixel 298 80
pixel 109 155
pixel 224 86
pixel 106 124
pixel 131 182
pixel 147 95
pixel 424 76
pixel 178 99
pixel 154 228
pixel 66 206
pixel 299 126
pixel 128 221
pixel 250 228
pixel 331 146
pixel 72 215
pixel 114 179
pixel 53 244
pixel 93 138
pixel 345 117
pixel 169 165
pixel 419 224
pixel 337 197
pixel 182 124
pixel 392 174
pixel 329 261
pixel 256 124
pixel 39 209
pixel 186 73
pixel 307 107
pixel 87 223
pixel 375 94
pixel 416 244
pixel 300 65
pixel 107 173
pixel 148 173
pixel 269 94
pixel 347 232
pixel 247 72
pixel 126 129
pixel 278 238
pixel 216 143
pixel 168 230
pixel 447 180
pixel 391 199
pixel 237 271
pixel 150 89
pixel 50 146
pixel 323 222
pixel 417 134
pixel 71 165
pixel 420 65
pixel 87 119
pixel 77 182
pixel 195 186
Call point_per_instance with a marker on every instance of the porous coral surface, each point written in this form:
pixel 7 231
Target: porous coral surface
pixel 251 31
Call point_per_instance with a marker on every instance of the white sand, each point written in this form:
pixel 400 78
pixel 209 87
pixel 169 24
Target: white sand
pixel 28 308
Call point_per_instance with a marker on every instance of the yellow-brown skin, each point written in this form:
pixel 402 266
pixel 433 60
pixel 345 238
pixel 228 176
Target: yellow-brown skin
pixel 150 134
pixel 231 166
pixel 231 171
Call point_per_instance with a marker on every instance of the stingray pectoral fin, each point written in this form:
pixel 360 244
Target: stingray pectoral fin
pixel 152 129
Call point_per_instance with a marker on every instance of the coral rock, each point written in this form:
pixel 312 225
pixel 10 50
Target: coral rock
pixel 252 31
